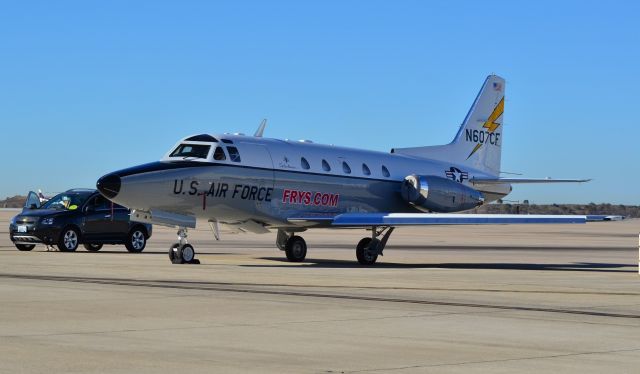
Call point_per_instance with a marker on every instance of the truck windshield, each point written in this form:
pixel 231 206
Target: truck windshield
pixel 191 150
pixel 66 201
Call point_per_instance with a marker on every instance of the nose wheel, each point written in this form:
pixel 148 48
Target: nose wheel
pixel 182 252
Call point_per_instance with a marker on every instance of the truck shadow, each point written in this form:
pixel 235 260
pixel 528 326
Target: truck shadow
pixel 145 252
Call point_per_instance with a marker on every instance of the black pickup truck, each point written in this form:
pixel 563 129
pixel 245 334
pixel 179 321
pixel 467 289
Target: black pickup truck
pixel 74 217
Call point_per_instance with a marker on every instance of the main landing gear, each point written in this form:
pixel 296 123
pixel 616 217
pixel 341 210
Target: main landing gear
pixel 367 250
pixel 182 252
pixel 294 246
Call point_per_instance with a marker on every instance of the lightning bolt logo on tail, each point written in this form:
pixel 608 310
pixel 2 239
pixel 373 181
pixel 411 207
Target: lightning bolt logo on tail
pixel 490 124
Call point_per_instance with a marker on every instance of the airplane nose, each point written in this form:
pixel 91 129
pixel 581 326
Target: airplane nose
pixel 109 185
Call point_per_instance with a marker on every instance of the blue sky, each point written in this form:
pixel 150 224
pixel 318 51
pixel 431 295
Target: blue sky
pixel 88 87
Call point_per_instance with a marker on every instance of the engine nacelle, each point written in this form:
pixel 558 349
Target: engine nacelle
pixel 436 194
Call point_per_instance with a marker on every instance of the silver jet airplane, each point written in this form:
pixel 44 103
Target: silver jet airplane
pixel 256 184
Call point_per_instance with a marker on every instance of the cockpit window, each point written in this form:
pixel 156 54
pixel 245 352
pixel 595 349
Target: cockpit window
pixel 219 155
pixel 234 155
pixel 191 150
pixel 202 138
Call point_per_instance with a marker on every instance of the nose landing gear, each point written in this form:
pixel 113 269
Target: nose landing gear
pixel 182 252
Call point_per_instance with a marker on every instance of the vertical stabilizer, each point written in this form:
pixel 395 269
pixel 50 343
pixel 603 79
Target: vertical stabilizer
pixel 478 143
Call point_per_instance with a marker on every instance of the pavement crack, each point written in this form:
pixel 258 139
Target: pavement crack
pixel 574 354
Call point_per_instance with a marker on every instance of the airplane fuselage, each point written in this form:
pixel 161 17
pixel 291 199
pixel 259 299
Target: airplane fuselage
pixel 269 181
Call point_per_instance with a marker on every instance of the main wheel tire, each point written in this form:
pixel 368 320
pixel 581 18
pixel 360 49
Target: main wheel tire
pixel 69 240
pixel 364 255
pixel 296 249
pixel 25 247
pixel 187 253
pixel 174 256
pixel 92 247
pixel 136 240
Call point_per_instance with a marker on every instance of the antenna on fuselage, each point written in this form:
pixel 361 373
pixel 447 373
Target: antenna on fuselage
pixel 260 129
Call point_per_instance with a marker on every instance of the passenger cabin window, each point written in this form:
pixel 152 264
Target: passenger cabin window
pixel 365 170
pixel 385 171
pixel 234 155
pixel 219 155
pixel 191 150
pixel 325 166
pixel 304 163
pixel 346 168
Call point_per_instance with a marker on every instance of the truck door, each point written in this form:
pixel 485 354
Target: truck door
pixel 33 201
pixel 99 220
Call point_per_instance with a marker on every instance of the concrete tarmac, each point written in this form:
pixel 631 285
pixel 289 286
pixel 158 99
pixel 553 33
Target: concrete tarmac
pixel 500 299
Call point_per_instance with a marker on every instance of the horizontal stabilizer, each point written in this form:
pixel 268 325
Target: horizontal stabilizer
pixel 524 180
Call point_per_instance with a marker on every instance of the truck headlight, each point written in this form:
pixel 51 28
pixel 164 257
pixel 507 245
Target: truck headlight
pixel 47 221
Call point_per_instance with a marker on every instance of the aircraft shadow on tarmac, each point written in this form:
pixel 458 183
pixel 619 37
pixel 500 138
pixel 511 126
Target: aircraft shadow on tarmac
pixel 575 266
pixel 333 263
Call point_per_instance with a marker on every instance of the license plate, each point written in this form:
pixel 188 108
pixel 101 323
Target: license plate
pixel 22 228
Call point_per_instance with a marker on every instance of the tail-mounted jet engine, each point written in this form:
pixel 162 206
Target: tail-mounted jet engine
pixel 436 194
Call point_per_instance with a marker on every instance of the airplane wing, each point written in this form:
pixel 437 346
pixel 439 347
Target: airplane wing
pixel 524 180
pixel 420 219
pixel 603 217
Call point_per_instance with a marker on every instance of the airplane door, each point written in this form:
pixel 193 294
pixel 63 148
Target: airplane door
pixel 263 175
pixel 256 155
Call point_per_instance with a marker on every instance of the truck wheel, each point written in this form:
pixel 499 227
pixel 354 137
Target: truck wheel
pixel 69 240
pixel 136 240
pixel 25 247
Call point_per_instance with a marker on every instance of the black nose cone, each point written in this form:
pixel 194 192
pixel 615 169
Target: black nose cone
pixel 109 185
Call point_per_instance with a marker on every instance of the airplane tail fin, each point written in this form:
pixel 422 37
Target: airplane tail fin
pixel 478 143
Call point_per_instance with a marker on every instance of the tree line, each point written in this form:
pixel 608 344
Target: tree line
pixel 630 211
